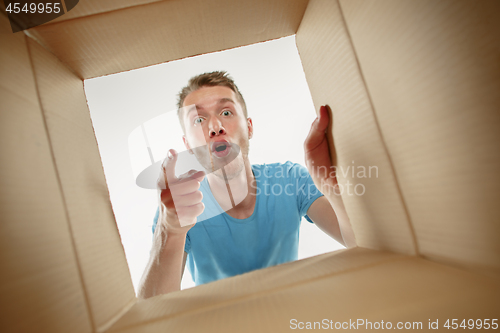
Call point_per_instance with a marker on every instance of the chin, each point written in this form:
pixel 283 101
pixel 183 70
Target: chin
pixel 233 169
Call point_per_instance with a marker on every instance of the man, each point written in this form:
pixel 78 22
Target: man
pixel 259 228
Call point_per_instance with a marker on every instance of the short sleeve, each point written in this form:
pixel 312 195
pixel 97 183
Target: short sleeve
pixel 307 192
pixel 187 246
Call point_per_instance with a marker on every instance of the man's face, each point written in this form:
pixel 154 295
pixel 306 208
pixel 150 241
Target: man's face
pixel 218 118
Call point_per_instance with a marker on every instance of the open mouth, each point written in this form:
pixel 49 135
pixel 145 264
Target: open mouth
pixel 221 149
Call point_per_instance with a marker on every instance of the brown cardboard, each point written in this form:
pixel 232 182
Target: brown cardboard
pixel 378 217
pixel 208 297
pixel 161 31
pixel 434 89
pixel 414 90
pixel 89 8
pixel 100 255
pixel 41 285
pixel 384 286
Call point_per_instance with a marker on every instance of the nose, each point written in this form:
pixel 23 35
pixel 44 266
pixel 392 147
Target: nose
pixel 220 131
pixel 216 129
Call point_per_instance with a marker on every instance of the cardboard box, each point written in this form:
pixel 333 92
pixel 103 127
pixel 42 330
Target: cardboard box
pixel 414 90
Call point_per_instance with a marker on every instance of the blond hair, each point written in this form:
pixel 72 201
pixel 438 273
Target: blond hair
pixel 212 79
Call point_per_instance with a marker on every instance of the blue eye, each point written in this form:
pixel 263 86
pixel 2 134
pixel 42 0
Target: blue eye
pixel 198 120
pixel 226 112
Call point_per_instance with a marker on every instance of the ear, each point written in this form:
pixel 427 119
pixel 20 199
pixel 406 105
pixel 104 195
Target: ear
pixel 186 144
pixel 250 128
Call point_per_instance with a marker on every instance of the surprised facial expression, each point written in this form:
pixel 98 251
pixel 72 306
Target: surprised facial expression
pixel 213 117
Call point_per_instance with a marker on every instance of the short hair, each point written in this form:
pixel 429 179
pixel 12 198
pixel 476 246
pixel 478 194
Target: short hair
pixel 212 79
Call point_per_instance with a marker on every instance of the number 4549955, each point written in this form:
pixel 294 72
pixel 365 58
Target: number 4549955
pixel 472 324
pixel 33 8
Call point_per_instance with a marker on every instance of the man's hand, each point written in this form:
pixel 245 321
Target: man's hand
pixel 180 204
pixel 317 155
pixel 323 173
pixel 179 197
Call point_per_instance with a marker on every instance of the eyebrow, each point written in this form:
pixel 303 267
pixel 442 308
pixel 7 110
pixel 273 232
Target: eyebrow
pixel 224 100
pixel 220 101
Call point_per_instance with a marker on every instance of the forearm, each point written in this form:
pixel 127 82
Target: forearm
pixel 163 272
pixel 318 155
pixel 337 204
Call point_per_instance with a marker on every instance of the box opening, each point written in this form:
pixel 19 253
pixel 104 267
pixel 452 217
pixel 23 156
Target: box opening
pixel 270 78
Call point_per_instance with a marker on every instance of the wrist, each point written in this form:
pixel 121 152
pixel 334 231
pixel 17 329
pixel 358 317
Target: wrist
pixel 166 240
pixel 169 224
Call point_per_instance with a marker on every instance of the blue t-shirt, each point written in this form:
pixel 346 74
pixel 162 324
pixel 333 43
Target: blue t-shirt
pixel 221 246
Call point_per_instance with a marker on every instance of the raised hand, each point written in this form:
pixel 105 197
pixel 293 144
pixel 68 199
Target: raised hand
pixel 317 154
pixel 180 200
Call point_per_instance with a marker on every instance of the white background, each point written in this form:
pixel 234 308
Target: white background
pixel 270 78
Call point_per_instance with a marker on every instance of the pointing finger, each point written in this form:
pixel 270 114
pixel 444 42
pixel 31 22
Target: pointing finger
pixel 168 166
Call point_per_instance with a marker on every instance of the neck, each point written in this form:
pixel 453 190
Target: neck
pixel 242 189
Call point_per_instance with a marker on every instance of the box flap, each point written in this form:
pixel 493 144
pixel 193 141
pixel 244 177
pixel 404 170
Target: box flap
pixel 99 250
pixel 157 32
pixel 373 200
pixel 432 70
pixel 97 7
pixel 40 285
